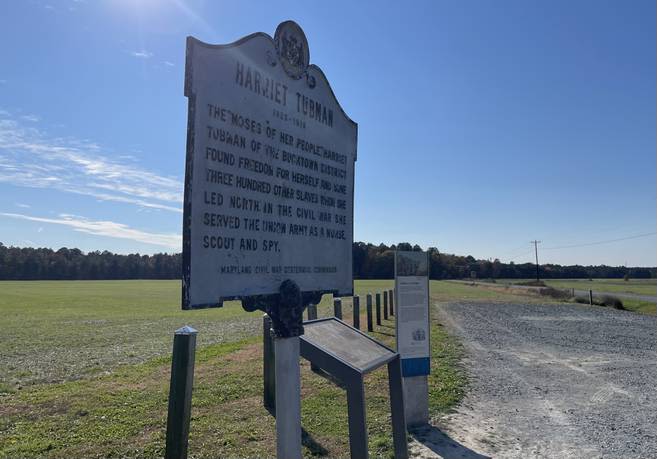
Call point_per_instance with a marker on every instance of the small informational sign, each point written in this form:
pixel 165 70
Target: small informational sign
pixel 412 313
pixel 269 176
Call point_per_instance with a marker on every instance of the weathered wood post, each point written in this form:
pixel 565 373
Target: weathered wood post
pixel 337 308
pixel 312 311
pixel 268 374
pixel 378 308
pixel 180 393
pixel 591 297
pixel 385 305
pixel 391 295
pixel 370 327
pixel 312 315
pixel 356 312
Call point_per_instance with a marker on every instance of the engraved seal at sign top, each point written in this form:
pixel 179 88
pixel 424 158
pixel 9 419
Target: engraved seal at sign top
pixel 292 48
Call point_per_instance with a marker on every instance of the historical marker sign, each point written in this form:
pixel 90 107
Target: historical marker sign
pixel 269 177
pixel 412 312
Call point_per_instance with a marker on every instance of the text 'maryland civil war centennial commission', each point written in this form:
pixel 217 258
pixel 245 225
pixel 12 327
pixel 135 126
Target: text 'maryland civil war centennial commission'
pixel 269 176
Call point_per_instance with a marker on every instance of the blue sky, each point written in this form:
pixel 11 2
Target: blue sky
pixel 482 124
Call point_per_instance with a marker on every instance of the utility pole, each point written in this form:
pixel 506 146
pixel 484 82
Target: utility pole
pixel 536 252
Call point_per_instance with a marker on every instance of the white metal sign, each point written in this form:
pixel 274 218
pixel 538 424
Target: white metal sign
pixel 412 311
pixel 269 177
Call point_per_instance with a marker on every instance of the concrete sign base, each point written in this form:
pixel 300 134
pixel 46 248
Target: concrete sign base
pixel 416 401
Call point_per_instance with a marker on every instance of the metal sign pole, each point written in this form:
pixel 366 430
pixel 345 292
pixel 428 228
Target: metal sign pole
pixel 286 314
pixel 288 395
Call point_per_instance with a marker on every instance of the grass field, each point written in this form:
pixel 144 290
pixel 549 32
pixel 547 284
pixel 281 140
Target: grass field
pixel 85 367
pixel 610 286
pixel 635 286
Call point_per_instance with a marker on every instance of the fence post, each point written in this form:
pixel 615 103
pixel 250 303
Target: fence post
pixel 312 311
pixel 268 368
pixel 180 392
pixel 591 297
pixel 356 312
pixel 369 313
pixel 337 308
pixel 312 315
pixel 385 305
pixel 391 295
pixel 378 308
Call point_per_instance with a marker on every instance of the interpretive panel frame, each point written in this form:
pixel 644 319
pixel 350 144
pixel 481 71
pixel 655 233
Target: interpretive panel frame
pixel 343 359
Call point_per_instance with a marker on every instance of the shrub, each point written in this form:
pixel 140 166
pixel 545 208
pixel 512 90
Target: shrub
pixel 604 300
pixel 610 301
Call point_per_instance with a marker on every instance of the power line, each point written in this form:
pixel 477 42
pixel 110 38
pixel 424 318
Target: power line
pixel 535 242
pixel 608 241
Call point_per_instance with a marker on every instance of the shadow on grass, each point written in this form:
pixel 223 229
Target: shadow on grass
pixel 385 333
pixel 316 449
pixel 307 440
pixel 441 444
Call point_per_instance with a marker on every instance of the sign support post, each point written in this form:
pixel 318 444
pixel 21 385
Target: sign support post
pixel 269 370
pixel 288 395
pixel 413 332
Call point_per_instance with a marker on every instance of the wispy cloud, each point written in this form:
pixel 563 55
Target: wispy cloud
pixel 141 54
pixel 22 206
pixel 106 228
pixel 169 64
pixel 28 157
pixel 31 118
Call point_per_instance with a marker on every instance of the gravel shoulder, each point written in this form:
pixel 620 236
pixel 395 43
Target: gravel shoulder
pixel 555 380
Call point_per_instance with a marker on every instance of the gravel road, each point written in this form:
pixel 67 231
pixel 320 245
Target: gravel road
pixel 558 381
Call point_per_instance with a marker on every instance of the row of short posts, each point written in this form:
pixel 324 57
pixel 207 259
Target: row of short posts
pixel 371 308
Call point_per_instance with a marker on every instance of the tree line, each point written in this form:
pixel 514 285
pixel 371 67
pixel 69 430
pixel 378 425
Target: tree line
pixel 369 262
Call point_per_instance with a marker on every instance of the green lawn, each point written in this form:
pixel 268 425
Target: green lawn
pixel 85 372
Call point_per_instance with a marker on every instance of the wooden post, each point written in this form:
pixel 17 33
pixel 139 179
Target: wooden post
pixel 591 297
pixel 268 371
pixel 378 308
pixel 337 308
pixel 356 312
pixel 312 315
pixel 370 327
pixel 385 305
pixel 180 393
pixel 391 295
pixel 312 311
